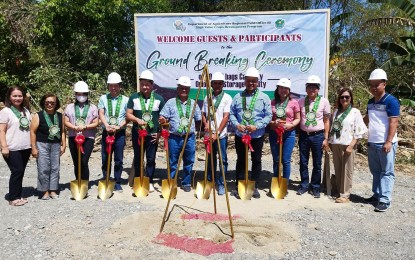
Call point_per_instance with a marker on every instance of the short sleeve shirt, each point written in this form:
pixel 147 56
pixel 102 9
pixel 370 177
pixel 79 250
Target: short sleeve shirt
pixel 353 127
pixel 171 113
pixel 103 104
pixel 290 111
pixel 16 138
pixel 322 110
pixel 91 116
pixel 224 107
pixel 379 114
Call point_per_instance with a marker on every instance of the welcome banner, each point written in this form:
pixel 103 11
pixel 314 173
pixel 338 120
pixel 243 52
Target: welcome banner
pixel 292 45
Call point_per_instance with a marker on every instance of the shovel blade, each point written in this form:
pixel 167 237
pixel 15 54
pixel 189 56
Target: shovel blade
pixel 141 186
pixel 105 191
pixel 165 189
pixel 79 191
pixel 203 189
pixel 279 188
pixel 246 189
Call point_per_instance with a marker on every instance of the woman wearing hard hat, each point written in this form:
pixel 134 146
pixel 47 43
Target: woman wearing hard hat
pixel 346 128
pixel 81 117
pixel 285 114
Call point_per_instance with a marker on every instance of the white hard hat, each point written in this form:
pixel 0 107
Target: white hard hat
pixel 81 87
pixel 313 79
pixel 114 78
pixel 184 81
pixel 147 75
pixel 218 76
pixel 284 82
pixel 378 74
pixel 252 72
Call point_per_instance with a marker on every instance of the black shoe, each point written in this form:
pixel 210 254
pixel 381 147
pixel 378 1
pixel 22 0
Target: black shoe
pixel 382 207
pixel 372 199
pixel 256 194
pixel 235 194
pixel 301 191
pixel 187 188
pixel 315 194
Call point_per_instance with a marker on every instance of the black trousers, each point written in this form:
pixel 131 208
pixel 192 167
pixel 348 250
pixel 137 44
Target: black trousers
pixel 256 158
pixel 88 145
pixel 17 162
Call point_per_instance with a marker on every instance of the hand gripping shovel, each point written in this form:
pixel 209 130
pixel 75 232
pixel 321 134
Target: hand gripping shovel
pixel 79 188
pixel 106 187
pixel 279 184
pixel 204 188
pixel 141 184
pixel 167 184
pixel 246 187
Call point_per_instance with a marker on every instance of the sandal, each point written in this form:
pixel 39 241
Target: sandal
pixel 342 200
pixel 17 202
pixel 45 197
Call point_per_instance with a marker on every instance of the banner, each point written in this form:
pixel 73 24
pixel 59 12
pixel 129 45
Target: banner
pixel 290 45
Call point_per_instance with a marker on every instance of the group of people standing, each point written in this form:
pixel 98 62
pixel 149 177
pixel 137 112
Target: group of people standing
pixel 250 112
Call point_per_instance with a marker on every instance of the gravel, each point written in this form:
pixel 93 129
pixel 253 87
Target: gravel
pixel 91 228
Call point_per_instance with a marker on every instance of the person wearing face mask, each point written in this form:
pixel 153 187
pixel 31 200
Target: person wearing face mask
pixel 15 141
pixel 81 117
pixel 112 112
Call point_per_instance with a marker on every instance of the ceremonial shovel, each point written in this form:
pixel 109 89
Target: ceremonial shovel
pixel 79 188
pixel 106 187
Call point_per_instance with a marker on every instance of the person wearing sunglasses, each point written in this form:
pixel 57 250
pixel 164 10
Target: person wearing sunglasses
pixel 48 139
pixel 382 118
pixel 347 127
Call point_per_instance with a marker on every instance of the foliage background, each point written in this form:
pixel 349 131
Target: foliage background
pixel 47 45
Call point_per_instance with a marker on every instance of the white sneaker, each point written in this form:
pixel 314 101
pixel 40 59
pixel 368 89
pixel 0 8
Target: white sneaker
pixel 151 187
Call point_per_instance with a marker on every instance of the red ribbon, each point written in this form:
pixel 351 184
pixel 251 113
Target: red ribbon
pixel 280 131
pixel 110 141
pixel 141 134
pixel 79 140
pixel 165 134
pixel 246 139
pixel 206 142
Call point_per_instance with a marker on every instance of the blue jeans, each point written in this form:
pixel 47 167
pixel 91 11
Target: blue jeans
pixel 175 147
pixel 288 140
pixel 313 143
pixel 150 150
pixel 381 165
pixel 218 176
pixel 118 153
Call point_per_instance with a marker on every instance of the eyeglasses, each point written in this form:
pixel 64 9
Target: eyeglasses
pixel 50 103
pixel 312 87
pixel 344 97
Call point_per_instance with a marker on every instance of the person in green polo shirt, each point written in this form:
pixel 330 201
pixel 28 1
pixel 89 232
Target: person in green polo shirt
pixel 143 110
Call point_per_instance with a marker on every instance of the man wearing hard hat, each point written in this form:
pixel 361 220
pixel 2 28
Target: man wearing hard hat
pixel 177 112
pixel 143 109
pixel 382 117
pixel 250 114
pixel 112 113
pixel 314 133
pixel 222 105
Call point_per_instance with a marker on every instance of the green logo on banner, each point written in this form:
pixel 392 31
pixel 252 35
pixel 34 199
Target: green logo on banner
pixel 279 24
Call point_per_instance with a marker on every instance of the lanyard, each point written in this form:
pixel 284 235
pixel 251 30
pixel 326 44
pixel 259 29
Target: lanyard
pixel 147 112
pixel 248 113
pixel 53 127
pixel 117 107
pixel 23 120
pixel 184 120
pixel 280 109
pixel 84 111
pixel 311 115
pixel 337 125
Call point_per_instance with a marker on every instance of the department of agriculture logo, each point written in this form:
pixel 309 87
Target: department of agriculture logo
pixel 179 25
pixel 279 24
